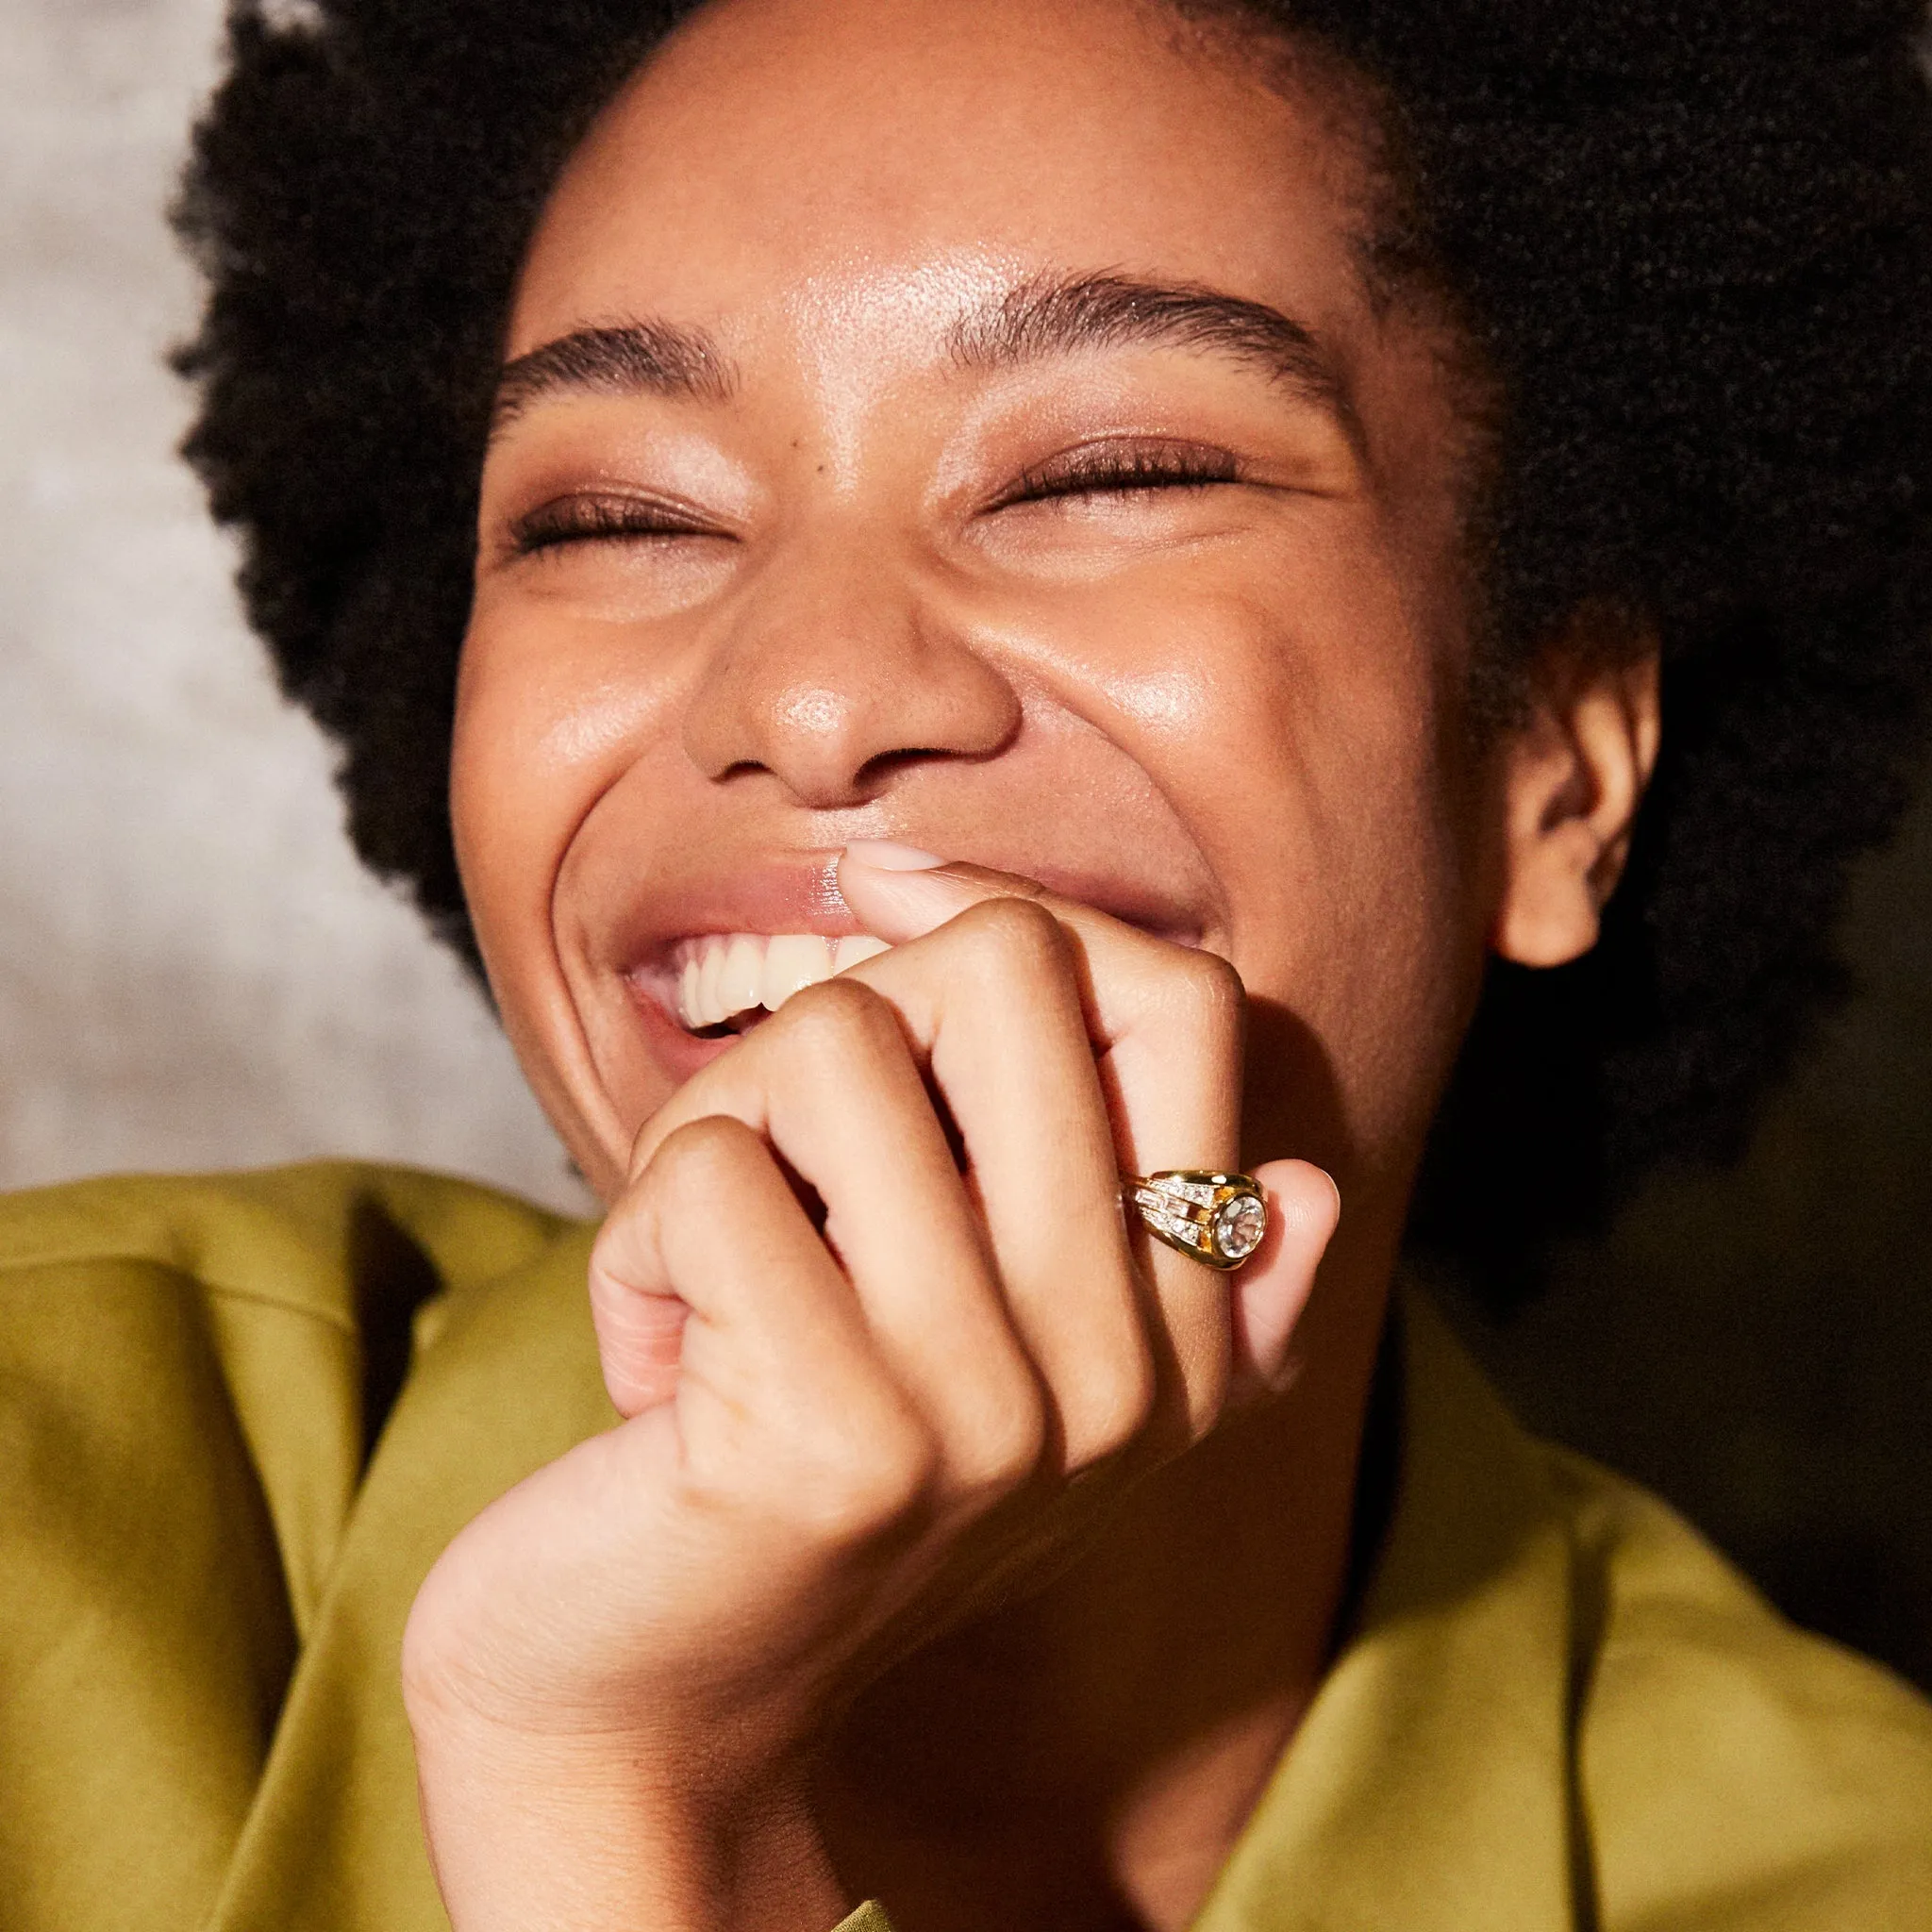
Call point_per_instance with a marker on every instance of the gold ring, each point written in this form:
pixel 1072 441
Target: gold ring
pixel 1217 1218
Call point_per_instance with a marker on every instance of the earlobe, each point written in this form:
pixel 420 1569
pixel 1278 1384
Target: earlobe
pixel 1572 775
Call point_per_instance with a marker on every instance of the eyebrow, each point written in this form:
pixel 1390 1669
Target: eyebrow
pixel 615 359
pixel 1062 315
pixel 1040 318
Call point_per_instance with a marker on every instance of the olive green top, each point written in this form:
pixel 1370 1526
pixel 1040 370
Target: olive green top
pixel 1559 1707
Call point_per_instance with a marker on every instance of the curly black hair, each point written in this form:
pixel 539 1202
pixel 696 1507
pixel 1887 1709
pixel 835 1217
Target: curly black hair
pixel 1691 241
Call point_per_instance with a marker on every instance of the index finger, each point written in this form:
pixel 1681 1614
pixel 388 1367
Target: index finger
pixel 1142 997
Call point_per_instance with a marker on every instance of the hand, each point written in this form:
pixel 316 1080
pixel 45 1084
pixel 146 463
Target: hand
pixel 843 1436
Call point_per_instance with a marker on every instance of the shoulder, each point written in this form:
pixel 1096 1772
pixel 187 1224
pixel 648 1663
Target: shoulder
pixel 294 1237
pixel 182 1335
pixel 163 1337
pixel 192 1369
pixel 1733 1769
pixel 228 1344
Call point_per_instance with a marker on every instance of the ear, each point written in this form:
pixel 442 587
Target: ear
pixel 1573 774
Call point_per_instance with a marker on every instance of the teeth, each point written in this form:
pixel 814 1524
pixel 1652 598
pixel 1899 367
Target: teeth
pixel 724 974
pixel 709 962
pixel 794 960
pixel 858 946
pixel 742 978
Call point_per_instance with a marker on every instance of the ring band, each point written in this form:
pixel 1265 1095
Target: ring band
pixel 1219 1219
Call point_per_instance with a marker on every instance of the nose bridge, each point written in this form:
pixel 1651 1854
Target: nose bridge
pixel 834 660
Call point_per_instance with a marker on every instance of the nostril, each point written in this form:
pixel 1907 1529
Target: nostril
pixel 877 773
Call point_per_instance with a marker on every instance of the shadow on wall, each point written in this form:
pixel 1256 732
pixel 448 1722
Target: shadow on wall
pixel 1757 1345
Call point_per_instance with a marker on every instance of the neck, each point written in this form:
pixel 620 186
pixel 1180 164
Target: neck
pixel 1088 1757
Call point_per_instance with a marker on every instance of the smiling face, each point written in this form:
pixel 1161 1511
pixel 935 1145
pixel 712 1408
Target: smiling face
pixel 970 424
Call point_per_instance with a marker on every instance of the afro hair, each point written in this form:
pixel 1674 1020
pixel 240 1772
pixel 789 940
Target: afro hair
pixel 1691 241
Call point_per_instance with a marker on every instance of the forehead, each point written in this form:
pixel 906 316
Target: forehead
pixel 844 166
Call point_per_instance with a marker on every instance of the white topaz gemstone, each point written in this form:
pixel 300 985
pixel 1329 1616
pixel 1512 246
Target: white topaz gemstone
pixel 1238 1228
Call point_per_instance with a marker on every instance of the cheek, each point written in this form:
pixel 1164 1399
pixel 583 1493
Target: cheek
pixel 1339 811
pixel 544 724
pixel 547 724
pixel 498 809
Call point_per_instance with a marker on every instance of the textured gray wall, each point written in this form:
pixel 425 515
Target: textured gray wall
pixel 193 973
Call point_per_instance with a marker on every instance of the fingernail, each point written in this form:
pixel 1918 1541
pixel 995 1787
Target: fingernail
pixel 888 855
pixel 897 892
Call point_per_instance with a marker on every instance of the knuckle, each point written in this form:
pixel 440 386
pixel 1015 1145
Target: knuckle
pixel 1211 992
pixel 1008 1446
pixel 432 1665
pixel 1205 999
pixel 704 1154
pixel 1012 935
pixel 834 1018
pixel 865 1480
pixel 1118 1394
pixel 449 1645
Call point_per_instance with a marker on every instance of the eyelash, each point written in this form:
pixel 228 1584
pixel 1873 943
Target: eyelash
pixel 1116 472
pixel 1093 472
pixel 592 520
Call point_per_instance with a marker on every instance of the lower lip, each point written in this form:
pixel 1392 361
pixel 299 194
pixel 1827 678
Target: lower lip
pixel 679 1053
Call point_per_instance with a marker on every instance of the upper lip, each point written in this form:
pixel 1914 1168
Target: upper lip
pixel 785 892
pixel 797 892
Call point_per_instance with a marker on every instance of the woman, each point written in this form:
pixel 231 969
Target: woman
pixel 1040 591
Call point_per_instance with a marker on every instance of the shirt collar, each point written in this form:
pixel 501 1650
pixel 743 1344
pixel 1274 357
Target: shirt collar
pixel 1429 1786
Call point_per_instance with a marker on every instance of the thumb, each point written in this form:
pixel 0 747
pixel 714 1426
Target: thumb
pixel 638 1317
pixel 1269 1293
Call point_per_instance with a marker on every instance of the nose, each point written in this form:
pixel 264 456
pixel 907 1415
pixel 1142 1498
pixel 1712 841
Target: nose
pixel 834 674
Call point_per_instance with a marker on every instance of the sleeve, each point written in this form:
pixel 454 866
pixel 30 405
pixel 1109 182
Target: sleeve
pixel 146 1634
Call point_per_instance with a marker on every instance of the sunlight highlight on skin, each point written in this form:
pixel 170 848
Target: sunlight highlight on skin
pixel 854 325
pixel 1175 698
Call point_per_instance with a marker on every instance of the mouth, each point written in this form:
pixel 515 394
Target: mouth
pixel 722 983
pixel 706 959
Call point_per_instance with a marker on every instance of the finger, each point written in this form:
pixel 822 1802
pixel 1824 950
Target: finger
pixel 702 1233
pixel 1273 1289
pixel 834 1085
pixel 992 1003
pixel 1138 991
pixel 781 1401
pixel 1165 1026
pixel 991 1012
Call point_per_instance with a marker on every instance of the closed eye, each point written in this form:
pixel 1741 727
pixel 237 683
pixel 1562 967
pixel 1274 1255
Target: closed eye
pixel 599 520
pixel 1111 470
